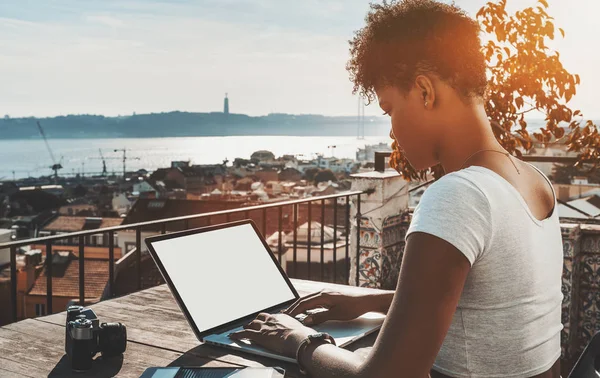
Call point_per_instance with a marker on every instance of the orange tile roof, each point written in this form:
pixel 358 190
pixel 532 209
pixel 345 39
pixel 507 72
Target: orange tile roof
pixel 67 285
pixel 72 224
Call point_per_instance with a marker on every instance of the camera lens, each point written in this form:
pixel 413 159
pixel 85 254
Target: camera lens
pixel 112 339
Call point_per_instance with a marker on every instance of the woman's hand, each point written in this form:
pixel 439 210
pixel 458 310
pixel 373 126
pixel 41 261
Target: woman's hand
pixel 338 307
pixel 279 333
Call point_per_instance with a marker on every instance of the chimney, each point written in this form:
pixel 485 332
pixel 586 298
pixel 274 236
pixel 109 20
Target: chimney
pixel 28 274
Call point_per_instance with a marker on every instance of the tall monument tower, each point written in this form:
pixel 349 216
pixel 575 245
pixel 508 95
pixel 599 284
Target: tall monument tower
pixel 226 105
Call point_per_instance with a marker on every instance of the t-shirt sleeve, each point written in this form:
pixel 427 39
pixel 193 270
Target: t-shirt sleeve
pixel 456 210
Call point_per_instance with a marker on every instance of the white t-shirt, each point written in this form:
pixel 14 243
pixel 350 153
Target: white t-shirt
pixel 508 319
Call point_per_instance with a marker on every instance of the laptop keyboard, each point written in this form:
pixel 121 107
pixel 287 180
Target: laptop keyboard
pixel 205 373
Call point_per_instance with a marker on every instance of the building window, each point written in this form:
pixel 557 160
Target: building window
pixel 40 309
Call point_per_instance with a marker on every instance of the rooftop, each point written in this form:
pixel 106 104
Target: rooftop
pixel 66 284
pixel 73 224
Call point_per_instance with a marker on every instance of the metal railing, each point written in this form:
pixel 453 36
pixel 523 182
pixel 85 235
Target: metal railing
pixel 162 224
pixel 380 157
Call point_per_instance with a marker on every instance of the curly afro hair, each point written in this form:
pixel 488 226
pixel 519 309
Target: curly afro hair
pixel 406 38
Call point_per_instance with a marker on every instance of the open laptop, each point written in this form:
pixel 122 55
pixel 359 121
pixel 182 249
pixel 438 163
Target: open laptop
pixel 223 276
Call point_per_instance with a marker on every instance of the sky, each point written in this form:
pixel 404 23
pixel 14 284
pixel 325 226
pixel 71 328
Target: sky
pixel 116 57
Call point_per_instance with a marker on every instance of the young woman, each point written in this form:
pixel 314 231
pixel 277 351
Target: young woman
pixel 479 293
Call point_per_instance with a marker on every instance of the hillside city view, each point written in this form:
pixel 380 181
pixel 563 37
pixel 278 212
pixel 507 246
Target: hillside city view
pixel 189 170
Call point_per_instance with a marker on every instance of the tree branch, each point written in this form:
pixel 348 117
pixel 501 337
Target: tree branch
pixel 527 111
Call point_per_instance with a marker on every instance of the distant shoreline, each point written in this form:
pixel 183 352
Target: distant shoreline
pixel 32 138
pixel 185 124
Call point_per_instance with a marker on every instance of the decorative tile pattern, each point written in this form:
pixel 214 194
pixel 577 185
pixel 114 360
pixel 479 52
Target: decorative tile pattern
pixel 590 271
pixel 380 251
pixel 394 234
pixel 391 267
pixel 590 244
pixel 369 239
pixel 392 221
pixel 369 236
pixel 567 248
pixel 369 271
pixel 566 305
pixel 379 268
pixel 366 224
pixel 572 267
pixel 589 316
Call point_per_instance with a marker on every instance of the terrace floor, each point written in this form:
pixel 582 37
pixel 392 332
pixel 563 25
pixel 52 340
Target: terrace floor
pixel 158 335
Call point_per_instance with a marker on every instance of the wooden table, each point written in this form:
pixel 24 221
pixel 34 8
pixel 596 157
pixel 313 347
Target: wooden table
pixel 158 336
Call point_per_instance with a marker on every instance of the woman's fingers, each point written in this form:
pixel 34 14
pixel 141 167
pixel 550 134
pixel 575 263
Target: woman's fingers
pixel 254 325
pixel 310 302
pixel 320 317
pixel 289 310
pixel 248 334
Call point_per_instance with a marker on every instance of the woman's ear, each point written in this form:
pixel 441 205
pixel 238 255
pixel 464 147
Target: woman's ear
pixel 427 90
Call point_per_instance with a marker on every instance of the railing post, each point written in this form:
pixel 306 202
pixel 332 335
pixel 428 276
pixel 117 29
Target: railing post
pixel 13 283
pixel 335 206
pixel 381 220
pixel 48 278
pixel 295 254
pixel 111 264
pixel 322 240
pixel 81 271
pixel 347 260
pixel 138 256
pixel 358 216
pixel 309 239
pixel 280 231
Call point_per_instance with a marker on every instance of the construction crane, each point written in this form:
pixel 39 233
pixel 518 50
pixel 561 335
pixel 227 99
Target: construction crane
pixel 104 173
pixel 55 166
pixel 123 159
pixel 124 151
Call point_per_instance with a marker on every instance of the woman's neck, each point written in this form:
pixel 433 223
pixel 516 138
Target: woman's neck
pixel 467 134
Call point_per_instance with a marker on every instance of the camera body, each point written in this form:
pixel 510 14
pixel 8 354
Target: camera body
pixel 85 336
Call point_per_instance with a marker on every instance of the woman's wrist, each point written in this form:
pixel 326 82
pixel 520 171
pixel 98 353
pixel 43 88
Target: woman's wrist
pixel 294 340
pixel 306 350
pixel 380 302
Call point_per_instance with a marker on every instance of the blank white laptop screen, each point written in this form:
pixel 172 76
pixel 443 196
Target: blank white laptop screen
pixel 222 275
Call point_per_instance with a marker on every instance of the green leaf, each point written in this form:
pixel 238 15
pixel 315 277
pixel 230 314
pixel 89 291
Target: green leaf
pixel 562 32
pixel 544 3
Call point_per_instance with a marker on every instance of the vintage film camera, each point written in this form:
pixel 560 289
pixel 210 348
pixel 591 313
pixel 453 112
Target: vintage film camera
pixel 85 336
